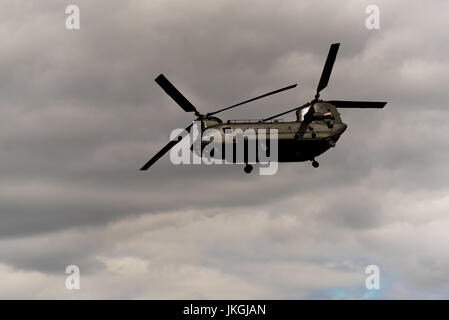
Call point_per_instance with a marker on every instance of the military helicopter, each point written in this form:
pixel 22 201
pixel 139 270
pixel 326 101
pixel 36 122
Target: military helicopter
pixel 317 128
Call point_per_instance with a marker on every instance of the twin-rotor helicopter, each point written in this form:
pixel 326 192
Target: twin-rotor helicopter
pixel 317 128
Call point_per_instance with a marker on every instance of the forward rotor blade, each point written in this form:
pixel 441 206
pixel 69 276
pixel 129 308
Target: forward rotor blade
pixel 164 150
pixel 325 75
pixel 357 104
pixel 259 97
pixel 281 114
pixel 302 128
pixel 175 94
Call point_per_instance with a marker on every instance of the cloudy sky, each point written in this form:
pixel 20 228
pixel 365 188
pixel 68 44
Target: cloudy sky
pixel 80 114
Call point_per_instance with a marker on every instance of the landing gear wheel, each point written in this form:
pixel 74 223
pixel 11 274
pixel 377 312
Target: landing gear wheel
pixel 248 168
pixel 315 164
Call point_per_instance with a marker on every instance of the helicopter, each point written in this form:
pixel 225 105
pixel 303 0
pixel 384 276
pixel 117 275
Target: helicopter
pixel 317 128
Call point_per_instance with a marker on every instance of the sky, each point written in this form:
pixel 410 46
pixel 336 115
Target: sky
pixel 80 114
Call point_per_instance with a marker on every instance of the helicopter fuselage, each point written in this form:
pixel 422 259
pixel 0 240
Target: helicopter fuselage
pixel 297 140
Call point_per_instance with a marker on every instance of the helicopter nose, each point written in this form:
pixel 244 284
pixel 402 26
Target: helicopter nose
pixel 341 128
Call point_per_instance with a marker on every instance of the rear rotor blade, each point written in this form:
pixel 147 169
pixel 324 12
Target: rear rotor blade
pixel 302 129
pixel 175 94
pixel 357 104
pixel 256 98
pixel 164 150
pixel 325 75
